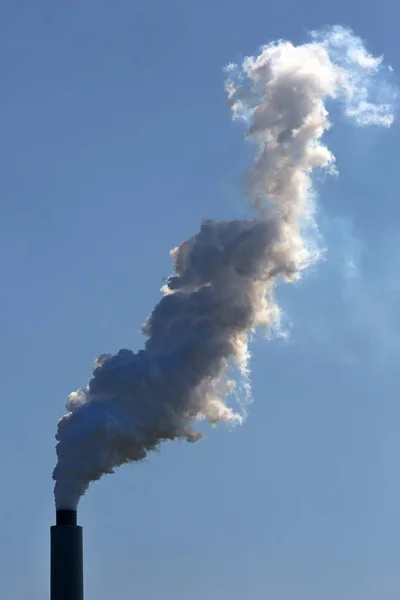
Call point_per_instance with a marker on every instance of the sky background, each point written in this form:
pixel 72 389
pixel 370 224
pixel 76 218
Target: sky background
pixel 116 141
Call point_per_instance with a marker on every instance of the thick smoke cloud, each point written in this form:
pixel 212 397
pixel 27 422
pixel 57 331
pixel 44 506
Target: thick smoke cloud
pixel 224 277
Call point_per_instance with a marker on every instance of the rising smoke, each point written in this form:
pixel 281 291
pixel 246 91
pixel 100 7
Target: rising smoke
pixel 224 277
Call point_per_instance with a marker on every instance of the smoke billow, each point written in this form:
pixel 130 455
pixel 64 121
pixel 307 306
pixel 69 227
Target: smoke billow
pixel 224 277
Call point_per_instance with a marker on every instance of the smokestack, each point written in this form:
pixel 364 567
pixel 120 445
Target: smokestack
pixel 66 576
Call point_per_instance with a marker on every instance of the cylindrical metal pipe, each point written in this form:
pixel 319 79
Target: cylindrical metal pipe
pixel 66 569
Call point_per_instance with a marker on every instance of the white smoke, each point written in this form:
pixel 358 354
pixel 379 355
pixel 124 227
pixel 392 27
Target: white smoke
pixel 223 286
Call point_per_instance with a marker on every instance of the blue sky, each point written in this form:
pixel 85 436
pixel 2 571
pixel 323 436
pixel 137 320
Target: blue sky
pixel 116 141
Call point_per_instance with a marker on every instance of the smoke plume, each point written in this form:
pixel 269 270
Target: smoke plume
pixel 224 278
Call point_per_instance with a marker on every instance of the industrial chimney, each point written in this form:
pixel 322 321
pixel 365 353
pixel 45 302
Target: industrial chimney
pixel 66 569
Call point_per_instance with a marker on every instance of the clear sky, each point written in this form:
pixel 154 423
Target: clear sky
pixel 116 141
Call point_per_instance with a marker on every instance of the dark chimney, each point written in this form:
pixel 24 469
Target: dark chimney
pixel 66 576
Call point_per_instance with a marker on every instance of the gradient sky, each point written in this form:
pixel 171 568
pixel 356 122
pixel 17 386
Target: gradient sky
pixel 116 141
